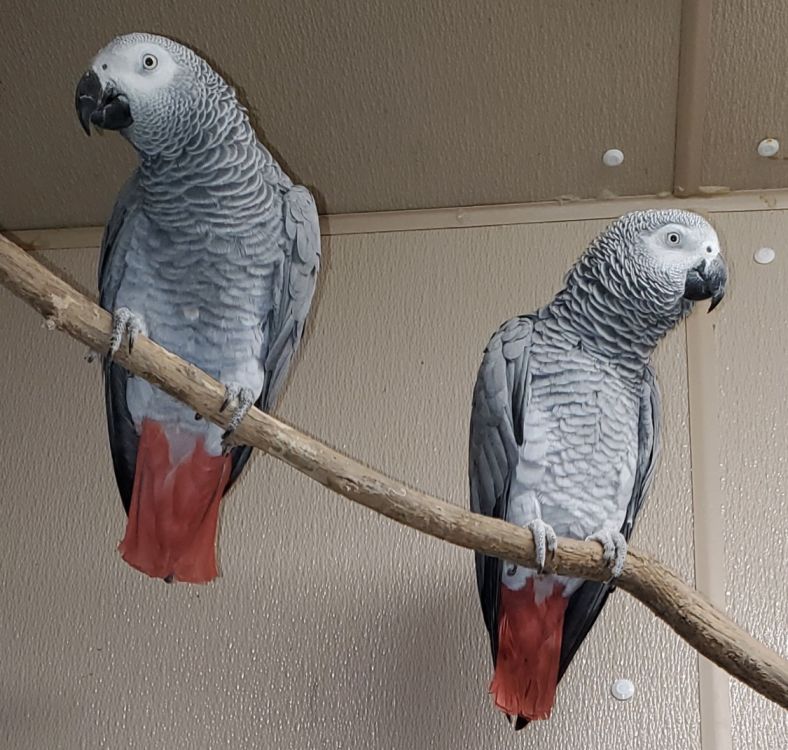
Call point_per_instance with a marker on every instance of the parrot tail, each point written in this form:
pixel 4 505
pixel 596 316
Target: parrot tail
pixel 530 629
pixel 171 529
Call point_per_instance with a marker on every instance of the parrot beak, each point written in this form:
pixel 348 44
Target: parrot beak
pixel 706 280
pixel 105 108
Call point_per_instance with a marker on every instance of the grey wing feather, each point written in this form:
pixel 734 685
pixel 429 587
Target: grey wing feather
pixel 500 398
pixel 285 325
pixel 587 602
pixel 650 426
pixel 123 436
pixel 299 277
pixel 111 260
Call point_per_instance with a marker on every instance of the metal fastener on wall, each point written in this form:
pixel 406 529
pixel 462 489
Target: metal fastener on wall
pixel 764 255
pixel 622 689
pixel 768 147
pixel 613 157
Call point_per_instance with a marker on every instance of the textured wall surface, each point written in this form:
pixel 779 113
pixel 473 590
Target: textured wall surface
pixel 754 445
pixel 330 626
pixel 410 104
pixel 748 96
pixel 379 104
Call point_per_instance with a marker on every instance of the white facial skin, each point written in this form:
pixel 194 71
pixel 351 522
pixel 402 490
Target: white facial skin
pixel 162 88
pixel 679 247
pixel 137 70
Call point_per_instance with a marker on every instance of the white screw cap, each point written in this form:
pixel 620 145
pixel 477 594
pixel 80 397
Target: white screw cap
pixel 622 690
pixel 764 255
pixel 768 147
pixel 613 157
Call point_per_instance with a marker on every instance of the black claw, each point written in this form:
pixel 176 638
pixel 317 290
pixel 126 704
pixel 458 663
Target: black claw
pixel 170 578
pixel 225 403
pixel 227 434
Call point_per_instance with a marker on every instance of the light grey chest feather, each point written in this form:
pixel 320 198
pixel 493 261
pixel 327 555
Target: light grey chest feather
pixel 577 465
pixel 204 298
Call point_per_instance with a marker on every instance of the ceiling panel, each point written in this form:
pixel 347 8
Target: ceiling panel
pixel 376 105
pixel 748 95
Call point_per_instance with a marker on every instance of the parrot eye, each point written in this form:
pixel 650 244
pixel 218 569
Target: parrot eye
pixel 673 238
pixel 149 62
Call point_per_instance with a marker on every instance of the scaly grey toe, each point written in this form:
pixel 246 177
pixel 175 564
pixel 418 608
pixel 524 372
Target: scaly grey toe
pixel 544 540
pixel 614 549
pixel 124 321
pixel 243 398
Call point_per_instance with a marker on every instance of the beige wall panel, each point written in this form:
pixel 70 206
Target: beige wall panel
pixel 377 104
pixel 753 357
pixel 331 627
pixel 747 98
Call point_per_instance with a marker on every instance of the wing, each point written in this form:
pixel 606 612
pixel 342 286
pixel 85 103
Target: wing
pixel 586 603
pixel 123 436
pixel 496 436
pixel 299 276
pixel 285 324
pixel 113 250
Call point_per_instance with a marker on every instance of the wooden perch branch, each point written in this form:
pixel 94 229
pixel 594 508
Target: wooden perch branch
pixel 694 618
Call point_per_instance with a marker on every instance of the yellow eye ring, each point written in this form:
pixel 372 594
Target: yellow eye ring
pixel 673 238
pixel 149 62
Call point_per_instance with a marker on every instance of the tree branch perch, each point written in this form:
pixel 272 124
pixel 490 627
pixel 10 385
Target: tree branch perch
pixel 694 618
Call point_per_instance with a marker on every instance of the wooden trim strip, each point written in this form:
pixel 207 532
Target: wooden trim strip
pixel 691 104
pixel 703 392
pixel 458 218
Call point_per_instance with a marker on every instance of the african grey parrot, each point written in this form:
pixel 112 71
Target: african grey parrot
pixel 564 435
pixel 213 252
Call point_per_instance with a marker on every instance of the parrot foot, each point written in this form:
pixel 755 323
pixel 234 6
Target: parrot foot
pixel 244 398
pixel 545 541
pixel 124 321
pixel 614 549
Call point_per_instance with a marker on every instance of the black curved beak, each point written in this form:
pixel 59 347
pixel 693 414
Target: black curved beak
pixel 105 108
pixel 707 279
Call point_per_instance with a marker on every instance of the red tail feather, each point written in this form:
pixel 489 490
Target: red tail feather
pixel 529 648
pixel 171 530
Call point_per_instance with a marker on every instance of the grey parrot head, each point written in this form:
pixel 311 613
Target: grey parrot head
pixel 659 260
pixel 150 88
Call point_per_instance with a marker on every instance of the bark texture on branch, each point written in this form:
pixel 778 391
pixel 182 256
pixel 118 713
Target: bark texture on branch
pixel 694 618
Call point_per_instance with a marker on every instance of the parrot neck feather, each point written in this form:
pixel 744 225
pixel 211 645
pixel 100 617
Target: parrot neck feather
pixel 609 314
pixel 221 179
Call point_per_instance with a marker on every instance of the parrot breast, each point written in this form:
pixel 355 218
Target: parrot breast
pixel 207 299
